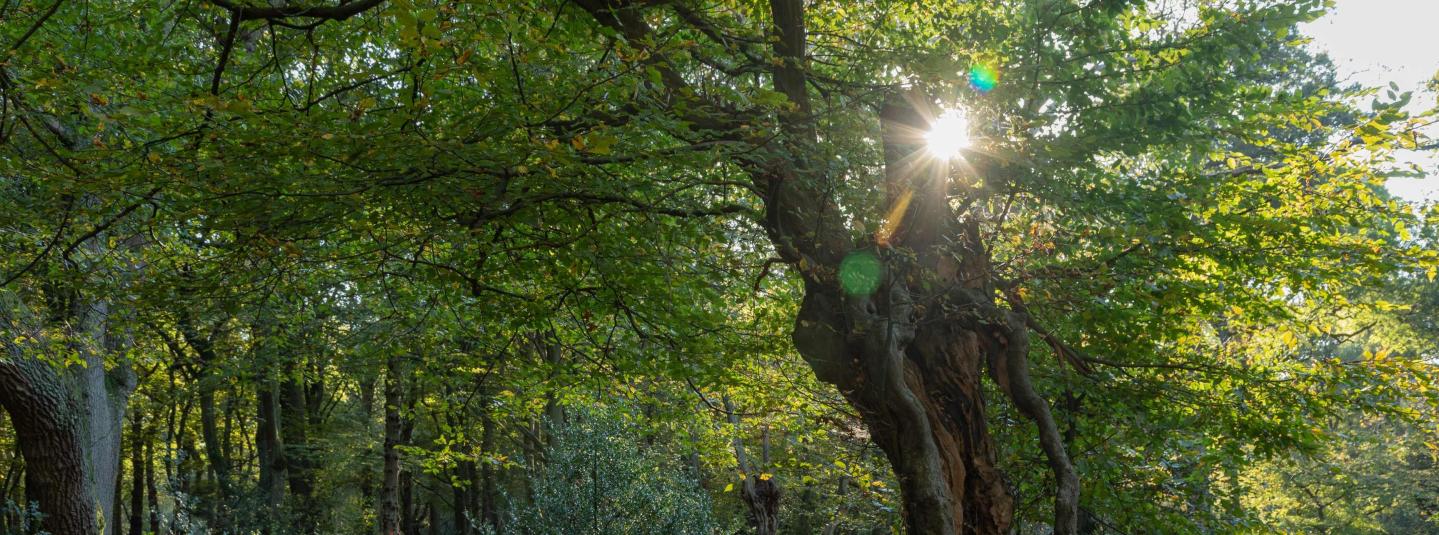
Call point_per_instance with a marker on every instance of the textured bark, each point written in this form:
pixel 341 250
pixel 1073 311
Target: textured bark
pixel 761 498
pixel 909 352
pixel 912 372
pixel 921 398
pixel 67 421
pixel 47 422
pixel 104 393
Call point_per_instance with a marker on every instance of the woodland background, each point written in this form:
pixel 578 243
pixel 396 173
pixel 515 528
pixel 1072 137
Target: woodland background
pixel 631 266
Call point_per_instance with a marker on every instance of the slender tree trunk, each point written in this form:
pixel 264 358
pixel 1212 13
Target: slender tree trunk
pixel 227 431
pixel 434 518
pixel 295 421
pixel 214 451
pixel 464 471
pixel 270 452
pixel 137 473
pixel 105 393
pixel 390 480
pixel 760 494
pixel 151 489
pixel 368 489
pixel 13 471
pixel 488 508
pixel 409 523
pixel 118 510
pixel 218 463
pixel 409 520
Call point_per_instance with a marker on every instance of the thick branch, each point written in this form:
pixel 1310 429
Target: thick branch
pixel 342 11
pixel 1009 367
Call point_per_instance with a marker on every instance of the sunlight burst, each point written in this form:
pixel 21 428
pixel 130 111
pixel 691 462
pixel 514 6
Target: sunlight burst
pixel 948 134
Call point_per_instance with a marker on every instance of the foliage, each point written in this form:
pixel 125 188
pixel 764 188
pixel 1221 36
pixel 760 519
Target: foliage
pixel 464 217
pixel 595 478
pixel 1379 479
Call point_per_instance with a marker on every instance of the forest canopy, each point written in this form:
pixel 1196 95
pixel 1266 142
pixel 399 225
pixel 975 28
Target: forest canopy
pixel 708 266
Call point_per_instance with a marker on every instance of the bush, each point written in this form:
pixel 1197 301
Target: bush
pixel 596 480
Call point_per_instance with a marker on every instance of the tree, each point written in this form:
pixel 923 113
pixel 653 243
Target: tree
pixel 549 197
pixel 594 480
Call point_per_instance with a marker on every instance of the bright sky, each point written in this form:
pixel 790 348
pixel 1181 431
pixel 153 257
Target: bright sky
pixel 1374 42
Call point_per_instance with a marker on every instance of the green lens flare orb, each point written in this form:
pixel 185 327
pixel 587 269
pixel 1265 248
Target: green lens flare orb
pixel 983 78
pixel 860 273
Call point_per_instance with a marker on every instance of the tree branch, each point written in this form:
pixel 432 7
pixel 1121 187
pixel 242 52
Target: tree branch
pixel 342 11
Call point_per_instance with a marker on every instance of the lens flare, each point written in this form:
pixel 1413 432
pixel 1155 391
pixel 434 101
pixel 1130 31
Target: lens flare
pixel 860 273
pixel 948 134
pixel 983 78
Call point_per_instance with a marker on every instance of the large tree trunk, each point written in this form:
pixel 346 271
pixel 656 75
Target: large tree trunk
pixel 68 422
pixel 47 426
pixel 913 373
pixel 905 324
pixel 105 393
pixel 904 321
pixel 907 333
pixel 921 398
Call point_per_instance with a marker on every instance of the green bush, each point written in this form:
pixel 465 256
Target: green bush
pixel 596 480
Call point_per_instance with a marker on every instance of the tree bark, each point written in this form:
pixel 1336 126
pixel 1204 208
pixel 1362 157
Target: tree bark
pixel 105 393
pixel 904 321
pixel 67 421
pixel 151 489
pixel 47 427
pixel 390 480
pixel 137 474
pixel 760 495
pixel 270 451
pixel 488 506
pixel 294 434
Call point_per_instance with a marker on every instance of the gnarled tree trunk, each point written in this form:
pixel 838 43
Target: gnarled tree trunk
pixel 904 323
pixel 67 421
pixel 47 427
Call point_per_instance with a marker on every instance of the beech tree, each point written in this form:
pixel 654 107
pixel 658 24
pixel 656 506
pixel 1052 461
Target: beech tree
pixel 1027 246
